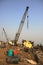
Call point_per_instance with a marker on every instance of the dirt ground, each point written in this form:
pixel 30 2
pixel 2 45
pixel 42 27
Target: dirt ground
pixel 23 55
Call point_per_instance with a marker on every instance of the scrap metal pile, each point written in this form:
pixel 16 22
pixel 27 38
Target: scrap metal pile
pixel 21 55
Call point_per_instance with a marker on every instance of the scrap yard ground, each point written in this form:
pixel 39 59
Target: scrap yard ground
pixel 23 55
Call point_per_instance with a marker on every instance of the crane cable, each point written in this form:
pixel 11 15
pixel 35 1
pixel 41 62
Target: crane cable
pixel 27 22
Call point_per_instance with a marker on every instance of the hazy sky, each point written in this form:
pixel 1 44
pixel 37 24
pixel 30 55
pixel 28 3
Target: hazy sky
pixel 11 12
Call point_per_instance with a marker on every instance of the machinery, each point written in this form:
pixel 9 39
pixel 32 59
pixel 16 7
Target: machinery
pixel 5 34
pixel 9 42
pixel 19 30
pixel 27 44
pixel 2 44
pixel 21 26
pixel 16 60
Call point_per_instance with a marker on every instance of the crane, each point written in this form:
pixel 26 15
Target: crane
pixel 5 34
pixel 19 30
pixel 21 26
pixel 9 41
pixel 2 44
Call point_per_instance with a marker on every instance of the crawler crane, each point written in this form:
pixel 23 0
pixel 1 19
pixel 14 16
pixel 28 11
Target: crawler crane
pixel 21 26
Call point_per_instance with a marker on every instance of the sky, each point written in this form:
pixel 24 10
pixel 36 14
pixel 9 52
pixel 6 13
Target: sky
pixel 11 13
